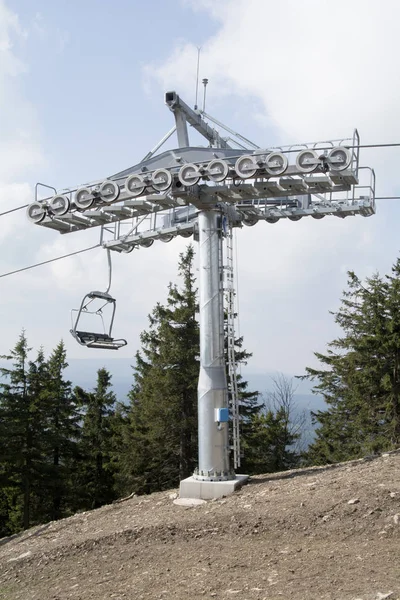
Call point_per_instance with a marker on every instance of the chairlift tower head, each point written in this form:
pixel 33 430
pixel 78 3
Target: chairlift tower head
pixel 192 190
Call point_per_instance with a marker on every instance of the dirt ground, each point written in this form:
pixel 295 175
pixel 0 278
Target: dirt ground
pixel 319 533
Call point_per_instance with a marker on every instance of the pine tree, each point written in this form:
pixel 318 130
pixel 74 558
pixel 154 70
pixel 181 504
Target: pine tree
pixel 161 438
pixel 360 381
pixel 95 476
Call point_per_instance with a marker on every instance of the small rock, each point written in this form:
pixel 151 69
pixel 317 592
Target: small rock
pixel 188 501
pixel 173 496
pixel 24 555
pixel 354 501
pixel 380 596
pixel 393 494
pixel 396 519
pixel 385 455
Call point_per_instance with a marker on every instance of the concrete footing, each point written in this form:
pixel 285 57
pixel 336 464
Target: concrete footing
pixel 207 490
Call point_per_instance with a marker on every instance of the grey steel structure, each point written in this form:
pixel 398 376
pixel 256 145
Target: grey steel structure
pixel 205 192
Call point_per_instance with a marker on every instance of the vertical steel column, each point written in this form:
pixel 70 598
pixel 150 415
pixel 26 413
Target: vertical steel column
pixel 212 387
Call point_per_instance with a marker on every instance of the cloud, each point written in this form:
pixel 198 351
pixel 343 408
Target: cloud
pixel 20 149
pixel 12 194
pixel 10 27
pixel 296 72
pixel 317 71
pixel 280 72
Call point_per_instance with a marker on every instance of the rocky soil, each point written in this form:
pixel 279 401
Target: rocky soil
pixel 319 533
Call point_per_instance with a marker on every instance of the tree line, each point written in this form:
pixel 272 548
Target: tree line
pixel 64 449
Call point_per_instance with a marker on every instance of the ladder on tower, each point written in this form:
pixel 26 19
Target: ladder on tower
pixel 229 288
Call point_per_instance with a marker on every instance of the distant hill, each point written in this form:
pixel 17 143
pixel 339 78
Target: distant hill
pixel 82 372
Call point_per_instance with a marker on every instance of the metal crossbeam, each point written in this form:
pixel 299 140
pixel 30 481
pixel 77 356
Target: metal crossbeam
pixel 183 113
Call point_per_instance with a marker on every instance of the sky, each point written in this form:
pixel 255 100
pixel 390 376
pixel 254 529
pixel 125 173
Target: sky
pixel 82 96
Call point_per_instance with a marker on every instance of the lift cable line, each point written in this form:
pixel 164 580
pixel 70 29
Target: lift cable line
pixel 208 192
pixel 46 262
pixel 7 212
pixel 99 245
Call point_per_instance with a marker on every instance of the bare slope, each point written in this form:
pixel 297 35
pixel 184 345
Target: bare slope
pixel 313 534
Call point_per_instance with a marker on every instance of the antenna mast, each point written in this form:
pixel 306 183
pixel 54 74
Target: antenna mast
pixel 197 76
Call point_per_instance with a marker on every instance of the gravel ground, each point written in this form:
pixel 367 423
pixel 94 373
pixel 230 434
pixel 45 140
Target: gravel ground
pixel 319 533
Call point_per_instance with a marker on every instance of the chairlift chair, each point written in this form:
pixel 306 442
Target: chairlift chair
pixel 91 339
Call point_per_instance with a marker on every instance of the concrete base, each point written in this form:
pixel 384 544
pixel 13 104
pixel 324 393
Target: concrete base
pixel 207 490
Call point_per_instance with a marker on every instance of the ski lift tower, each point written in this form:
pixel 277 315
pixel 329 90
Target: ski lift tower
pixel 205 192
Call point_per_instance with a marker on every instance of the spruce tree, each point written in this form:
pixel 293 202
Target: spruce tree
pixel 161 435
pixel 249 402
pixel 62 435
pixel 269 443
pixel 274 431
pixel 360 378
pixel 21 450
pixel 95 476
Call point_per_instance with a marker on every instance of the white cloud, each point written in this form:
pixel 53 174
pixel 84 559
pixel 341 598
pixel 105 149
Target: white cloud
pixel 317 71
pixel 300 71
pixel 20 149
pixel 290 71
pixel 9 27
pixel 11 195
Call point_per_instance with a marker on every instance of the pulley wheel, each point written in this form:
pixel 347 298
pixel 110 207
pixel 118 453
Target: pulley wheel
pixel 339 158
pixel 135 185
pixel 146 243
pixel 217 170
pixel 185 233
pixel 84 198
pixel 276 163
pixel 36 212
pixel 246 167
pixel 59 205
pixel 166 238
pixel 109 191
pixel 189 175
pixel 250 221
pixel 161 180
pixel 307 161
